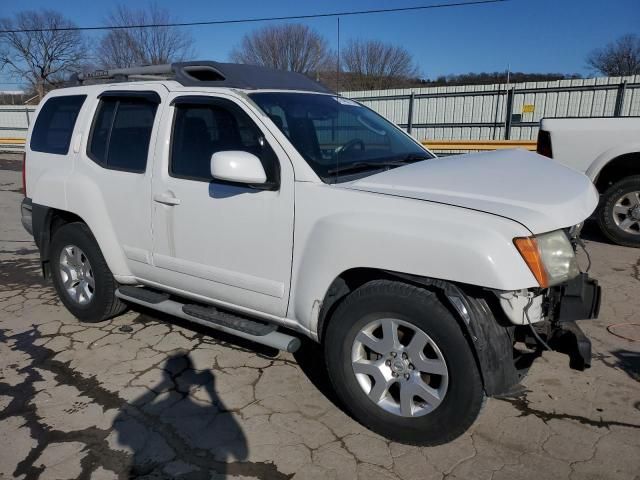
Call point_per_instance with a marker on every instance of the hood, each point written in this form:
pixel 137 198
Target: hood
pixel 526 187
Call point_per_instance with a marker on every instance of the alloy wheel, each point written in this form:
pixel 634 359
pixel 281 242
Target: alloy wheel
pixel 76 275
pixel 399 367
pixel 626 213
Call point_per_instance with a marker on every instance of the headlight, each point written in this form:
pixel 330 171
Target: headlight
pixel 550 257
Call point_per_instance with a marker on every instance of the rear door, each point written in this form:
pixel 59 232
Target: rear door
pixel 231 244
pixel 117 158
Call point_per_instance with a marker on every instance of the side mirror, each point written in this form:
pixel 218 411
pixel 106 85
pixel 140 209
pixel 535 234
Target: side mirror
pixel 238 166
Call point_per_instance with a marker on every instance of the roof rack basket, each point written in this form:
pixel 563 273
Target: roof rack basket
pixel 209 74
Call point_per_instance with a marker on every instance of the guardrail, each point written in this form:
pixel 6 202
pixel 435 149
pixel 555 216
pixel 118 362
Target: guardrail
pixel 11 145
pixel 12 141
pixel 17 144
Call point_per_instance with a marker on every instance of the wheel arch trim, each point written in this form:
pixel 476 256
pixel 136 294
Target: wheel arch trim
pixel 609 156
pixel 490 342
pixel 43 222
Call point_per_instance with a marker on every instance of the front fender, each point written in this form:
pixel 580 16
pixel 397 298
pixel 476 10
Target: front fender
pixel 363 230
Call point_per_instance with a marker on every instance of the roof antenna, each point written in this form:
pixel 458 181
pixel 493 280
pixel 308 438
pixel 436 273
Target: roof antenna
pixel 337 101
pixel 338 61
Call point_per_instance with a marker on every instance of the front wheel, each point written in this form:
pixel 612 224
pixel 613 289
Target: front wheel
pixel 81 276
pixel 619 213
pixel 401 365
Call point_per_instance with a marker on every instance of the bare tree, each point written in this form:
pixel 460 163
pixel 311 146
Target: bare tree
pixel 618 58
pixel 121 48
pixel 373 64
pixel 42 59
pixel 294 47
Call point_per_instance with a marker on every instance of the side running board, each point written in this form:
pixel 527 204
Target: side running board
pixel 143 294
pixel 250 329
pixel 213 315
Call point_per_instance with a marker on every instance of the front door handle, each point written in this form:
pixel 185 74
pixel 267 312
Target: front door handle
pixel 166 198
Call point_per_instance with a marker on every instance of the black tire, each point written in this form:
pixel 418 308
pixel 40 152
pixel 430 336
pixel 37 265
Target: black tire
pixel 103 304
pixel 606 215
pixel 465 395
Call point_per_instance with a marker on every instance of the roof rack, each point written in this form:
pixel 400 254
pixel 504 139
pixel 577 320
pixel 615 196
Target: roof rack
pixel 209 74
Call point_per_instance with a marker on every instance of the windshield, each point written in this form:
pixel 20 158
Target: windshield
pixel 338 137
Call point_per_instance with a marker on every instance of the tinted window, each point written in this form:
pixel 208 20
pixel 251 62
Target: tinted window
pixel 121 133
pixel 54 126
pixel 201 130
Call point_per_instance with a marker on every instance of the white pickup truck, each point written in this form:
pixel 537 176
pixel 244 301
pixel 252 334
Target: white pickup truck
pixel 608 151
pixel 258 203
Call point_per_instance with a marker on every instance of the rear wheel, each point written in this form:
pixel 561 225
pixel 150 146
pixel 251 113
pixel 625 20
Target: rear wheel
pixel 401 365
pixel 619 214
pixel 81 276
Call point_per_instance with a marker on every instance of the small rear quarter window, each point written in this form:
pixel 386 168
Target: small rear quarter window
pixel 55 123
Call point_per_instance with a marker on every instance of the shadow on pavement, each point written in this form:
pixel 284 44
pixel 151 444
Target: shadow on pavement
pixel 179 428
pixel 629 362
pixel 310 358
pixel 230 341
pixel 177 432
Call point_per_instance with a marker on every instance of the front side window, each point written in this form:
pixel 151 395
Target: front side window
pixel 54 126
pixel 339 138
pixel 214 125
pixel 121 133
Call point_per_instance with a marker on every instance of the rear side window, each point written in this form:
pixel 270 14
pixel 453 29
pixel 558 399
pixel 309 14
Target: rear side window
pixel 54 125
pixel 121 133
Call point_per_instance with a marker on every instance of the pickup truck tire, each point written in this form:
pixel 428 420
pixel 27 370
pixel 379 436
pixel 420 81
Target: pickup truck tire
pixel 81 276
pixel 619 213
pixel 401 365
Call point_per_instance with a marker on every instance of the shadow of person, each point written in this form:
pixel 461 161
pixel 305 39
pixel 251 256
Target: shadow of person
pixel 629 362
pixel 179 427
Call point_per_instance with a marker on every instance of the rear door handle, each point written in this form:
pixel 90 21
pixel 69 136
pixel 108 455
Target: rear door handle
pixel 166 198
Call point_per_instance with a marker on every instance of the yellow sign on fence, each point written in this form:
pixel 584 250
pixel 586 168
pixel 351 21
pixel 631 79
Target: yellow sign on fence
pixel 528 108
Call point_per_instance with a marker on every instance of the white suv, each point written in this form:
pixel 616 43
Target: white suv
pixel 258 203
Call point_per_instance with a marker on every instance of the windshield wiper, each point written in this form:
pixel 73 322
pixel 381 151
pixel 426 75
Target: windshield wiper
pixel 415 157
pixel 374 165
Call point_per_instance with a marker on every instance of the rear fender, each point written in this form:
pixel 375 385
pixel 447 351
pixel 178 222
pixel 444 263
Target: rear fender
pixel 84 203
pixel 84 198
pixel 607 156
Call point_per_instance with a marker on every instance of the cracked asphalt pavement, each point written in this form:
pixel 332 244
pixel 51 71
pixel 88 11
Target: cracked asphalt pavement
pixel 149 396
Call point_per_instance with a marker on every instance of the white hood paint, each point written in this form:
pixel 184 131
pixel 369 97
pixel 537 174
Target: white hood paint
pixel 526 187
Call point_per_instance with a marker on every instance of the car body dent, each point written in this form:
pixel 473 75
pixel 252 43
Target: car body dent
pixel 343 229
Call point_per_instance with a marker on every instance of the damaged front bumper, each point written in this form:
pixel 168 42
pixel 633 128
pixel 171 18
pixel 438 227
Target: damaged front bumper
pixel 577 299
pixel 552 313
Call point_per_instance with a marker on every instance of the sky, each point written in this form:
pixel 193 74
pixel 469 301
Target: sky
pixel 526 35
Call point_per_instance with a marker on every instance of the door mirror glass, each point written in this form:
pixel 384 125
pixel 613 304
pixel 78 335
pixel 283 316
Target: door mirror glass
pixel 237 166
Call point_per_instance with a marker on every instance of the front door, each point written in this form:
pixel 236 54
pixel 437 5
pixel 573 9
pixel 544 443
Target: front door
pixel 228 243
